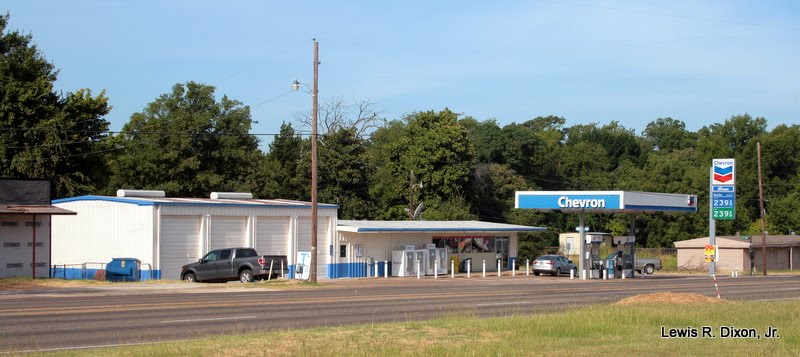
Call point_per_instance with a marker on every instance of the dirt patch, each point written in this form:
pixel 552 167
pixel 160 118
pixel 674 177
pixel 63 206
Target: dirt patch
pixel 668 298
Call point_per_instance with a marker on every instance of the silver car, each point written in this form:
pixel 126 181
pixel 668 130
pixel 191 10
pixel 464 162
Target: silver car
pixel 554 265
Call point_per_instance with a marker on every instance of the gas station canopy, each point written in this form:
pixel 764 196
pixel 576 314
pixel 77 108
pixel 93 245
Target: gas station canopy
pixel 605 201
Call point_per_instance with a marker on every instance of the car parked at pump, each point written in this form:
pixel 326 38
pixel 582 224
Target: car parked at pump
pixel 554 265
pixel 231 264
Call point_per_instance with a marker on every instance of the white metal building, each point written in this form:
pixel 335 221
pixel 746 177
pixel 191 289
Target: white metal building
pixel 359 244
pixel 166 233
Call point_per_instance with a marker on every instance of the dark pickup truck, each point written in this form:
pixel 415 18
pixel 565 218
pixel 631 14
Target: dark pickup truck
pixel 231 264
pixel 648 265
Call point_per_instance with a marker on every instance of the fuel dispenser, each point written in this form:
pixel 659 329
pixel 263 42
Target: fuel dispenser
pixel 592 259
pixel 624 257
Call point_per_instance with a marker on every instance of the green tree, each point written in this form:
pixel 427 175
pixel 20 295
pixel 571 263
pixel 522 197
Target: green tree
pixel 188 144
pixel 46 135
pixel 282 172
pixel 343 173
pixel 494 187
pixel 667 134
pixel 432 145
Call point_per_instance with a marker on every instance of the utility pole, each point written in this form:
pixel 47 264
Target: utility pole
pixel 763 213
pixel 312 276
pixel 411 203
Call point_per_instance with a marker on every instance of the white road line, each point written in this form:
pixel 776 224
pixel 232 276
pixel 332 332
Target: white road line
pixel 89 347
pixel 788 289
pixel 778 299
pixel 212 319
pixel 506 303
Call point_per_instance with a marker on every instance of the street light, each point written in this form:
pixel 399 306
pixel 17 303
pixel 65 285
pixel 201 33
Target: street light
pixel 312 276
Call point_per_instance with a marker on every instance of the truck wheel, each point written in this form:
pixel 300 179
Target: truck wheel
pixel 190 278
pixel 246 276
pixel 649 269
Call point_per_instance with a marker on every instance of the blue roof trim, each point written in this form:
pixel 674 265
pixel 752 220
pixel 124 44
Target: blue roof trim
pixel 661 208
pixel 105 198
pixel 145 202
pixel 465 229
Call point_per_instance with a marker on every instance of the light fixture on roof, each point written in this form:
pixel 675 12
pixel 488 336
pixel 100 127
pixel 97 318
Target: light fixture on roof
pixel 231 196
pixel 141 193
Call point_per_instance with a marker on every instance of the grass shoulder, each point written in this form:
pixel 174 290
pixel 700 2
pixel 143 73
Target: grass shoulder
pixel 635 327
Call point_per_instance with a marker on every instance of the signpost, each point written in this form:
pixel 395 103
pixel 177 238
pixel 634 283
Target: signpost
pixel 722 203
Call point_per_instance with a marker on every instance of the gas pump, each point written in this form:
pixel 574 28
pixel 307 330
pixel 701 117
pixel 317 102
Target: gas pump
pixel 624 258
pixel 592 260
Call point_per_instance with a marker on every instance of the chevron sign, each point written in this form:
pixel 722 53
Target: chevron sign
pixel 723 172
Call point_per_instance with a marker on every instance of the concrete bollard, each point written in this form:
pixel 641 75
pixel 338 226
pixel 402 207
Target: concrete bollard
pixel 418 270
pixel 436 269
pixel 513 269
pixel 623 274
pixel 469 267
pixel 605 274
pixel 484 268
pixel 452 269
pixel 571 274
pixel 385 269
pixel 498 268
pixel 527 267
pixel 583 274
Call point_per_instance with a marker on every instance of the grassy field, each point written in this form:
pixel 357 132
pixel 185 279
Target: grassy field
pixel 618 329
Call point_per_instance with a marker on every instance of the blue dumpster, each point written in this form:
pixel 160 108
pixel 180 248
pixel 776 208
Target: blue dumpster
pixel 124 269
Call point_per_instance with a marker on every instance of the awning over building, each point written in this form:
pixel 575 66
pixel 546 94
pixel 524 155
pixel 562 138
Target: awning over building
pixel 431 227
pixel 42 209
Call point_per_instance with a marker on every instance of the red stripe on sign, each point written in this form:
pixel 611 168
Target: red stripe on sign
pixel 723 178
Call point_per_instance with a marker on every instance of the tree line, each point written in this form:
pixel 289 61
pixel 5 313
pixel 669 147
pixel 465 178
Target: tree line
pixel 188 142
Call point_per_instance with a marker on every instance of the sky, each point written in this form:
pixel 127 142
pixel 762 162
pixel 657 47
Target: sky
pixel 698 61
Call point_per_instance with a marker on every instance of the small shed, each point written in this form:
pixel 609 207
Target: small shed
pixel 568 242
pixel 734 252
pixel 25 215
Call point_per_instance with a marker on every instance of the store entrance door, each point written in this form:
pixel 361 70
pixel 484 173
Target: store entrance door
pixel 501 248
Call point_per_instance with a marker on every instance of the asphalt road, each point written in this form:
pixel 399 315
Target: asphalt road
pixel 87 317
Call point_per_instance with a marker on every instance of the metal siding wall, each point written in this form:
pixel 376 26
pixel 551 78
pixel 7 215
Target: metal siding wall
pixel 238 211
pixel 272 235
pixel 101 231
pixel 16 246
pixel 228 232
pixel 323 241
pixel 180 244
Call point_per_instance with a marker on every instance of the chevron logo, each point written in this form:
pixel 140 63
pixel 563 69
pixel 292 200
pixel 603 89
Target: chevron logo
pixel 723 172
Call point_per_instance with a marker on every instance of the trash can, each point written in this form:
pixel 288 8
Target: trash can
pixel 124 269
pixel 462 268
pixel 610 268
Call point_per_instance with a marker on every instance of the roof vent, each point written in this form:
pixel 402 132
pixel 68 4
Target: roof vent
pixel 231 196
pixel 140 193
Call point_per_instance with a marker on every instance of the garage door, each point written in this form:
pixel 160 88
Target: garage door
pixel 228 232
pixel 180 244
pixel 272 235
pixel 16 246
